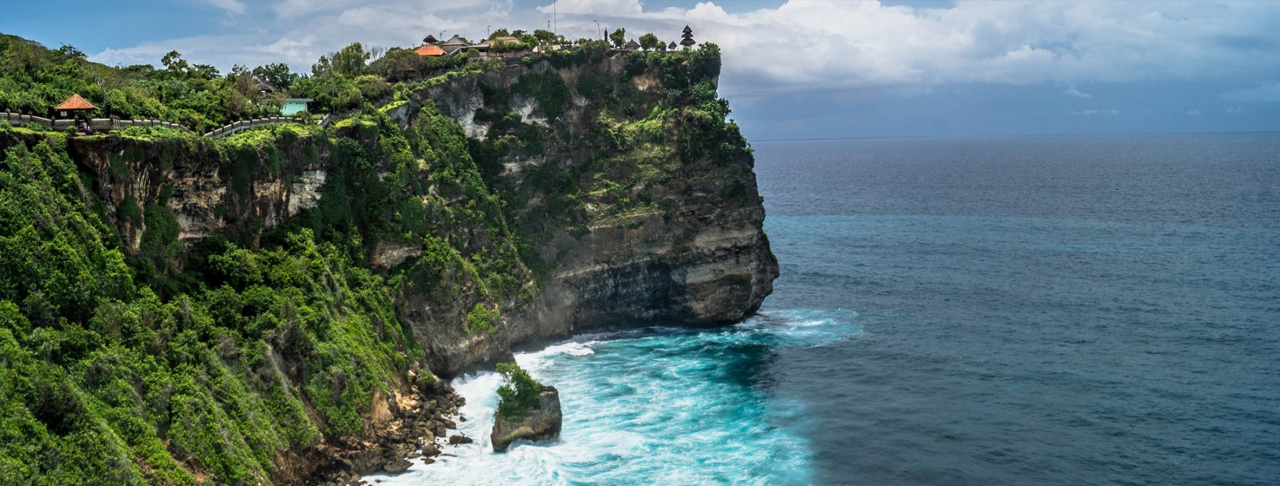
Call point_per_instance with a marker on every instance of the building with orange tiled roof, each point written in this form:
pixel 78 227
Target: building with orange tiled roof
pixel 429 51
pixel 73 104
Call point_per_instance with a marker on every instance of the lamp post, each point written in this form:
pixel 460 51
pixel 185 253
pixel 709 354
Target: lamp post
pixel 598 28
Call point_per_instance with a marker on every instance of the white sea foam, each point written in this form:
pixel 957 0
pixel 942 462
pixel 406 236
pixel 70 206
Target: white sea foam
pixel 653 406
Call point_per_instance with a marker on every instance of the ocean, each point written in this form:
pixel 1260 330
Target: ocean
pixel 1069 310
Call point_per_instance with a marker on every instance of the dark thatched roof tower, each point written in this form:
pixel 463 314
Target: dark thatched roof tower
pixel 430 39
pixel 686 39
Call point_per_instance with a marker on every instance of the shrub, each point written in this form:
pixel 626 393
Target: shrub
pixel 373 87
pixel 519 394
pixel 482 319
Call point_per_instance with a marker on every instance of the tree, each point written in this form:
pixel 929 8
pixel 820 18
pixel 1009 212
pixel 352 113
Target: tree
pixel 499 33
pixel 322 68
pixel 376 52
pixel 174 63
pixel 544 36
pixel 350 61
pixel 277 74
pixel 618 38
pixel 398 63
pixel 238 100
pixel 518 394
pixel 241 80
pixel 650 42
pixel 203 71
pixel 70 52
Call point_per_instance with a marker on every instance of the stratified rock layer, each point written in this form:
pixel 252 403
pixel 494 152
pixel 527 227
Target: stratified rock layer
pixel 696 256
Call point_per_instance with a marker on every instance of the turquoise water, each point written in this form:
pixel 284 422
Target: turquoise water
pixel 652 406
pixel 1059 311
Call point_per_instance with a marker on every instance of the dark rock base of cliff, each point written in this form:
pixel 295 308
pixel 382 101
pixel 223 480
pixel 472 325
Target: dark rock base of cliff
pixel 415 428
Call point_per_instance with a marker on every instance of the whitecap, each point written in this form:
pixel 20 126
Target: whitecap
pixel 649 406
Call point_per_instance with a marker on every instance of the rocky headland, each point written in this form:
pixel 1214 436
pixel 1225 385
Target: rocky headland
pixel 334 279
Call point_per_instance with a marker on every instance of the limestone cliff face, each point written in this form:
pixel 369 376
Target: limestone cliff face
pixel 691 252
pixel 636 202
pixel 207 194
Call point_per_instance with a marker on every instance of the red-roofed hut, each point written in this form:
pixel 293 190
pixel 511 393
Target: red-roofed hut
pixel 72 105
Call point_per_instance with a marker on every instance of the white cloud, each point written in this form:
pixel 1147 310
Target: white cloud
pixel 1193 112
pixel 302 31
pixel 803 46
pixel 1071 90
pixel 593 7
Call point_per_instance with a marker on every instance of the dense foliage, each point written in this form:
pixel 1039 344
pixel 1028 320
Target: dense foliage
pixel 34 79
pixel 104 378
pixel 519 394
pixel 105 383
pixel 204 362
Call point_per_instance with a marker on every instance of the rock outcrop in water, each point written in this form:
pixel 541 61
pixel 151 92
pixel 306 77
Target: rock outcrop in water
pixel 539 423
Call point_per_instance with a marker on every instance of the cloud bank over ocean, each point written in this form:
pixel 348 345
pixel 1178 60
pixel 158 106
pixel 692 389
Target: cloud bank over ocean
pixel 795 68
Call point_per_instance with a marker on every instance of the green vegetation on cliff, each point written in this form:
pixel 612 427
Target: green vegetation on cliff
pixel 177 310
pixel 104 381
pixel 34 79
pixel 253 349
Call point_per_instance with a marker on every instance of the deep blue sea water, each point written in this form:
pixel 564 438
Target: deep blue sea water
pixel 1089 310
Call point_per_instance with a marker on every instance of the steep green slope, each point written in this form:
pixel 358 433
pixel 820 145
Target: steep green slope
pixel 250 351
pixel 104 381
pixel 275 306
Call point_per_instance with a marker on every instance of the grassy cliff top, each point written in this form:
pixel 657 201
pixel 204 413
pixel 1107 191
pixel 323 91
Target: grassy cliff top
pixel 35 78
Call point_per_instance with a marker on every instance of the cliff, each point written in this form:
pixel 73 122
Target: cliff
pixel 637 202
pixel 265 307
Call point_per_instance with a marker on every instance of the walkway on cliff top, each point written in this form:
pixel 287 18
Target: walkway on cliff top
pixel 112 124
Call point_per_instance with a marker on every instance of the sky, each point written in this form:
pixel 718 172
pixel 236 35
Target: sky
pixel 793 69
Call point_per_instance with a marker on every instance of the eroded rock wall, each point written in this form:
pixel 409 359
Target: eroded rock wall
pixel 638 215
pixel 693 254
